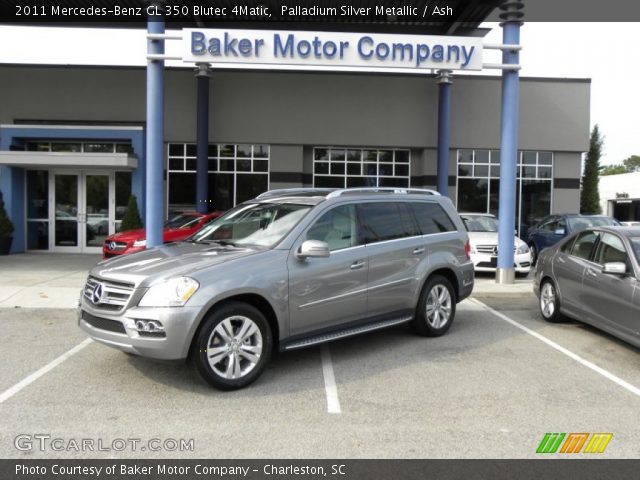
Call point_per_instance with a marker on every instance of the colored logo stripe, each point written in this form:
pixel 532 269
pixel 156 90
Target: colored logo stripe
pixel 550 442
pixel 574 442
pixel 598 442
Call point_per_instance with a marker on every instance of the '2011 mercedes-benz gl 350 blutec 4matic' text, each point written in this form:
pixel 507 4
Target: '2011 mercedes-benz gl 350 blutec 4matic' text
pixel 289 269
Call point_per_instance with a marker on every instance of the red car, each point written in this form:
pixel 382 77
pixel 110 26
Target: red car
pixel 176 229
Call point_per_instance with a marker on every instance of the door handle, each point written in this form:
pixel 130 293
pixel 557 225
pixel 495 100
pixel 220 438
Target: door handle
pixel 591 272
pixel 357 265
pixel 418 251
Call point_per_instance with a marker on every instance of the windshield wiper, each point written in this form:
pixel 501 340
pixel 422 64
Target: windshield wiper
pixel 226 243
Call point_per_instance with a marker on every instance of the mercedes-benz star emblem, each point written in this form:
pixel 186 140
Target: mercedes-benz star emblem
pixel 112 245
pixel 96 295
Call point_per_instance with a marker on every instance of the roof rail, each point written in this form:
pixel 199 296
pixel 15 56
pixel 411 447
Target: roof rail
pixel 286 191
pixel 406 191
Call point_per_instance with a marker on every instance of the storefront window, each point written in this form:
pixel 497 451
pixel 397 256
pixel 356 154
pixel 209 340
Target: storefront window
pixel 479 185
pixel 236 173
pixel 356 167
pixel 123 192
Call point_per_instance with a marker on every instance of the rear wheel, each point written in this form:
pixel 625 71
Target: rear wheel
pixel 436 307
pixel 233 346
pixel 549 302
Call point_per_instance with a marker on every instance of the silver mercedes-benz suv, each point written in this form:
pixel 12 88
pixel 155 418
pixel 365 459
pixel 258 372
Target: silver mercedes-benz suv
pixel 289 269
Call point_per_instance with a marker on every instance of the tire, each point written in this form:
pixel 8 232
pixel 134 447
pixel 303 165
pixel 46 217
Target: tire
pixel 534 254
pixel 233 346
pixel 436 307
pixel 549 302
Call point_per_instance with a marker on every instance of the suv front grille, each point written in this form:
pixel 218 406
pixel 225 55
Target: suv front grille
pixel 114 295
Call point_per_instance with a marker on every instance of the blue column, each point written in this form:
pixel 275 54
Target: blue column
pixel 505 272
pixel 444 122
pixel 202 140
pixel 155 136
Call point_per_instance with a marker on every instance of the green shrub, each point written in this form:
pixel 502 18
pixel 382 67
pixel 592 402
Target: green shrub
pixel 131 219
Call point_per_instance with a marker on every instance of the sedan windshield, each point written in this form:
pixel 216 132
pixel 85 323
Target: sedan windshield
pixel 182 220
pixel 480 223
pixel 263 224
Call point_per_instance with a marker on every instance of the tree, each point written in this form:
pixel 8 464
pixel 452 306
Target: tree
pixel 131 219
pixel 6 227
pixel 589 197
pixel 632 164
pixel 612 170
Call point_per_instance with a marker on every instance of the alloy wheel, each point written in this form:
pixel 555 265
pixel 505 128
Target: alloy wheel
pixel 438 308
pixel 234 347
pixel 548 300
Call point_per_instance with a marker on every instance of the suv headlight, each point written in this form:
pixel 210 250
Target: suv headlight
pixel 522 249
pixel 173 293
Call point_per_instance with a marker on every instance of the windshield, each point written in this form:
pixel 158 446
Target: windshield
pixel 263 224
pixel 635 243
pixel 480 223
pixel 580 223
pixel 182 220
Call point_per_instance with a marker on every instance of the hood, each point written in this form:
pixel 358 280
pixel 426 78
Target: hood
pixel 167 261
pixel 128 236
pixel 488 238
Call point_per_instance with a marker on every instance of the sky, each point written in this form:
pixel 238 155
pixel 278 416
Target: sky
pixel 607 53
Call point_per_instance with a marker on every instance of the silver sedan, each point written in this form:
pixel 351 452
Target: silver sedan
pixel 593 276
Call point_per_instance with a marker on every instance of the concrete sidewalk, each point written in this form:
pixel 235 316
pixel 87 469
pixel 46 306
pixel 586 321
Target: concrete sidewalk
pixel 43 280
pixel 54 280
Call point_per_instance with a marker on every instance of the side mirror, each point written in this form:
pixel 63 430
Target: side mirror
pixel 614 268
pixel 560 231
pixel 313 249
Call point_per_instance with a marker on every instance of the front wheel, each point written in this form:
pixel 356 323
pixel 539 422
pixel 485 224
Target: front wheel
pixel 436 307
pixel 549 303
pixel 233 346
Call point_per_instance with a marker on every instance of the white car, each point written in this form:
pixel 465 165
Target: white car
pixel 630 224
pixel 483 240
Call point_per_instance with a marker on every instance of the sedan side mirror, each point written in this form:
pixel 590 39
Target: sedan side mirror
pixel 560 231
pixel 313 249
pixel 614 268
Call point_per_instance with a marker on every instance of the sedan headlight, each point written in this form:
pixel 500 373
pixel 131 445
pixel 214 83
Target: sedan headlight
pixel 172 293
pixel 140 243
pixel 522 249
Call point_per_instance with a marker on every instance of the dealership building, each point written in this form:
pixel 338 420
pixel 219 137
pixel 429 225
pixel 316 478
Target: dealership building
pixel 74 140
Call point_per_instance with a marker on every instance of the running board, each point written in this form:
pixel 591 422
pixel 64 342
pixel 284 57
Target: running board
pixel 328 337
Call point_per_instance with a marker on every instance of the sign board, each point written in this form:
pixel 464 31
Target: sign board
pixel 330 50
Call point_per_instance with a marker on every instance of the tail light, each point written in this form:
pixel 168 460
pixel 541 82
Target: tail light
pixel 467 250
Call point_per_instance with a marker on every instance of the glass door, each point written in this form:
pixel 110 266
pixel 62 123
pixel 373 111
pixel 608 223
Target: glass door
pixel 64 230
pixel 82 209
pixel 97 211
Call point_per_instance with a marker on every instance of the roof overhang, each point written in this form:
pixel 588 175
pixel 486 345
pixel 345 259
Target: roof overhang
pixel 46 160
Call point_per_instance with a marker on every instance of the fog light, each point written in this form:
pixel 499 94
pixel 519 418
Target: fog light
pixel 149 327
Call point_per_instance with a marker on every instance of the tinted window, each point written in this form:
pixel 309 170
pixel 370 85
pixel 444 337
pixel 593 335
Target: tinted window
pixel 548 224
pixel 584 244
pixel 611 249
pixel 338 227
pixel 432 218
pixel 381 221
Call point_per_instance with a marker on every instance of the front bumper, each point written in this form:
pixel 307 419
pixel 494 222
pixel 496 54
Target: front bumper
pixel 117 329
pixel 108 253
pixel 486 262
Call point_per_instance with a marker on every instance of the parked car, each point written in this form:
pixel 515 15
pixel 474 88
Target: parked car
pixel 553 228
pixel 483 241
pixel 287 270
pixel 178 228
pixel 593 276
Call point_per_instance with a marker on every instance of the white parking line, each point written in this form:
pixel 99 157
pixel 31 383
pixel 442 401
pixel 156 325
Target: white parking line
pixel 333 403
pixel 7 394
pixel 626 385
